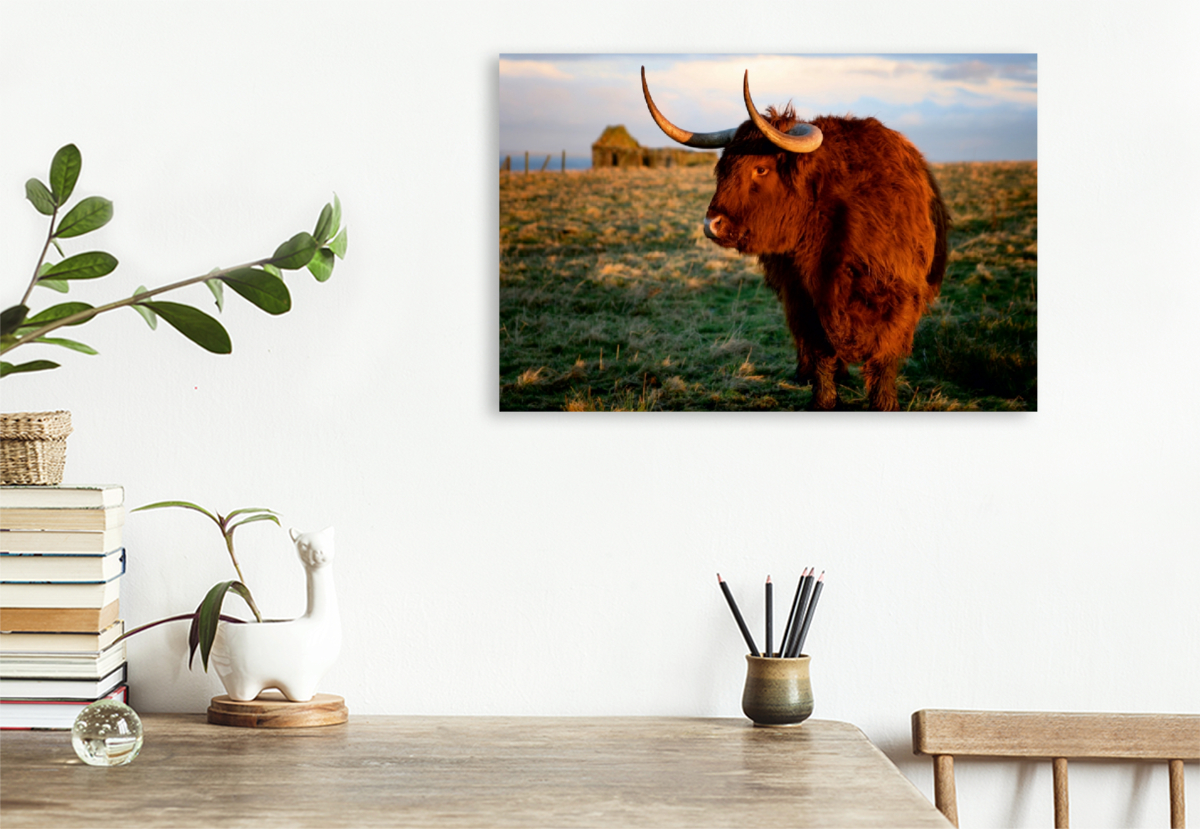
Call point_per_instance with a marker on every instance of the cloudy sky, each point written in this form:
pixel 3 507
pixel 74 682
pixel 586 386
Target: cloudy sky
pixel 953 107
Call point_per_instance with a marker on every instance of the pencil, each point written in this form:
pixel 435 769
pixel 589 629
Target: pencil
pixel 790 649
pixel 791 622
pixel 770 613
pixel 802 614
pixel 737 615
pixel 808 616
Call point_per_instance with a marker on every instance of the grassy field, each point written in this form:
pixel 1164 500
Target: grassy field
pixel 612 299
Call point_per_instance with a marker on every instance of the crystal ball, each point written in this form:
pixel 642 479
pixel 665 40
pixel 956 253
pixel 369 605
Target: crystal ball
pixel 107 733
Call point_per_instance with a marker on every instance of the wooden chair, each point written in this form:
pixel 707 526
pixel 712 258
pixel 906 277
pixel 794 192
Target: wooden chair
pixel 945 735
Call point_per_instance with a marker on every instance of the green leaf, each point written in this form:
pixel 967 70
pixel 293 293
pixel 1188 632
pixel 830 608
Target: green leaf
pixel 218 292
pixel 208 615
pixel 261 288
pixel 338 245
pixel 39 195
pixel 251 520
pixel 149 316
pixel 194 324
pixel 11 318
pixel 91 213
pixel 325 227
pixel 271 269
pixel 182 504
pixel 337 214
pixel 37 365
pixel 83 266
pixel 295 253
pixel 60 285
pixel 245 510
pixel 57 312
pixel 64 172
pixel 321 265
pixel 71 344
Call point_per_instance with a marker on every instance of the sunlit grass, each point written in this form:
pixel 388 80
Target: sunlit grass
pixel 612 299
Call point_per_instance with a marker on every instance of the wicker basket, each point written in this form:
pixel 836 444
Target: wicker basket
pixel 33 447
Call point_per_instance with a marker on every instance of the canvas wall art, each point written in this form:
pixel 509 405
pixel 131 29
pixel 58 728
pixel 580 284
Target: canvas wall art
pixel 809 233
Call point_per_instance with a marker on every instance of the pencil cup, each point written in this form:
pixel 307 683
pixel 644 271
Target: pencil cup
pixel 778 691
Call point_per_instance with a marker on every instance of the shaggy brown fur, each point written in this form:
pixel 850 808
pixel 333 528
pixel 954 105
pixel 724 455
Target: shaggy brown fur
pixel 852 238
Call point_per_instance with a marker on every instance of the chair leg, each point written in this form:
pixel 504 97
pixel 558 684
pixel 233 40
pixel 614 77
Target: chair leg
pixel 1062 809
pixel 943 787
pixel 1178 821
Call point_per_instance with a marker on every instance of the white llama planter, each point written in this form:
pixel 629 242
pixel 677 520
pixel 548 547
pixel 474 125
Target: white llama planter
pixel 291 655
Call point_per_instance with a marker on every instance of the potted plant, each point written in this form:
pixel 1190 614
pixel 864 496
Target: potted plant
pixel 33 444
pixel 249 657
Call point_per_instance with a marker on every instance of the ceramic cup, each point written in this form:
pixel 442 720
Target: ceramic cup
pixel 778 691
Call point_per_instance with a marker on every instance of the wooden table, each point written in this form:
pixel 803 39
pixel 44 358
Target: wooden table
pixel 466 771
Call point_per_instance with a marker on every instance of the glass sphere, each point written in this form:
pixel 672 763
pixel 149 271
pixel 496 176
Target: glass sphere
pixel 107 733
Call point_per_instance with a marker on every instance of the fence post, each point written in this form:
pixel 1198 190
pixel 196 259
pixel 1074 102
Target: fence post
pixel 527 162
pixel 564 167
pixel 506 167
pixel 545 163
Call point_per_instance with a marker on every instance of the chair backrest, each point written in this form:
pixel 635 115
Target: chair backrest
pixel 945 735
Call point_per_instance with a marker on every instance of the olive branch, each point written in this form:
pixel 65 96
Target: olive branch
pixel 259 281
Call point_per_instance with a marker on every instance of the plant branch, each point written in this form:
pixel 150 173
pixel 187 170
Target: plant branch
pixel 37 269
pixel 133 300
pixel 178 618
pixel 233 557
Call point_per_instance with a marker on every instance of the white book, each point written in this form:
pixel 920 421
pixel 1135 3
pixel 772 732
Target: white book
pixel 33 568
pixel 86 519
pixel 99 496
pixel 63 666
pixel 61 688
pixel 59 541
pixel 50 714
pixel 59 595
pixel 47 644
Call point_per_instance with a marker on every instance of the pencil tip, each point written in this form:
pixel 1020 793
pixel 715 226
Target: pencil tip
pixel 822 576
pixel 768 579
pixel 719 577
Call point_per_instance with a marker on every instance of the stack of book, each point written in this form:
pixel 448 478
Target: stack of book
pixel 61 562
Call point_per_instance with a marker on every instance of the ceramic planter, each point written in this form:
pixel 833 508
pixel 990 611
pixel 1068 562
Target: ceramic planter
pixel 292 655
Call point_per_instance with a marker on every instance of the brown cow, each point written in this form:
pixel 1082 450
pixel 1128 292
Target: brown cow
pixel 849 226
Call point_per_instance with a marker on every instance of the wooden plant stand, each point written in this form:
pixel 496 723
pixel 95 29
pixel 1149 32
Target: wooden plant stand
pixel 271 709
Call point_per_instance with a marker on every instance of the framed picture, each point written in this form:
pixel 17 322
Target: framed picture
pixel 768 232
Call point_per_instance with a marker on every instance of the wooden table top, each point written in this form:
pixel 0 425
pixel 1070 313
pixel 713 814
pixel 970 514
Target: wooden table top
pixel 466 771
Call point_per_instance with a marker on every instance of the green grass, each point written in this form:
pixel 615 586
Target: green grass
pixel 612 299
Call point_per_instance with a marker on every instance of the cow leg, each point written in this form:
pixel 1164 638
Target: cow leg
pixel 825 383
pixel 804 364
pixel 879 374
pixel 810 342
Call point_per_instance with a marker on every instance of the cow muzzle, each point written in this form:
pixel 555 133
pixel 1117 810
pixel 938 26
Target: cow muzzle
pixel 714 227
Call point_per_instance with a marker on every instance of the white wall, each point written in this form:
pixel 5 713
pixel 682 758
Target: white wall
pixel 545 564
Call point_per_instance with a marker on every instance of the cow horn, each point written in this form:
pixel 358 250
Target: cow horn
pixel 705 140
pixel 802 138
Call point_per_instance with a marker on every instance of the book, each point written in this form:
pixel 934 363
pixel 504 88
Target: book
pixel 61 567
pixel 100 496
pixel 45 644
pixel 50 714
pixel 62 666
pixel 60 518
pixel 89 689
pixel 59 541
pixel 59 620
pixel 55 595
